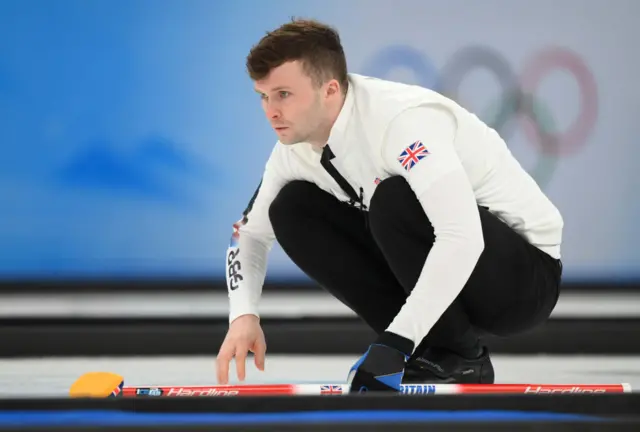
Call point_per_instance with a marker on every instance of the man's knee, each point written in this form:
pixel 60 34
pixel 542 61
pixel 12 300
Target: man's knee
pixel 394 202
pixel 289 203
pixel 389 194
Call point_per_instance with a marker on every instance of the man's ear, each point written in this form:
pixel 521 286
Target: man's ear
pixel 333 88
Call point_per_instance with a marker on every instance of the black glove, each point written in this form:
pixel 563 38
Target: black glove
pixel 381 368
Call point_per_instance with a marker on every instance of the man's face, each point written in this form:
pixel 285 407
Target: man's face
pixel 293 105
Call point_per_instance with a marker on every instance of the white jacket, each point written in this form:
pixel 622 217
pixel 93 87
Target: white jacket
pixel 464 164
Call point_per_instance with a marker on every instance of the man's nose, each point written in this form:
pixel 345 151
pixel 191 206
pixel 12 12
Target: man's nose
pixel 272 112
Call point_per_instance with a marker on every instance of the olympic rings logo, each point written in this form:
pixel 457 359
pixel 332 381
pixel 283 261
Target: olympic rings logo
pixel 518 101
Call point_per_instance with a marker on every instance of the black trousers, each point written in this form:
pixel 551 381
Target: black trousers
pixel 371 266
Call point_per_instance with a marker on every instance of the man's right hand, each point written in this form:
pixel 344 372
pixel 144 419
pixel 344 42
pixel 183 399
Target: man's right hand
pixel 244 335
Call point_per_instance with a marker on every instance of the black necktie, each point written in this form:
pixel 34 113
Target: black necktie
pixel 325 161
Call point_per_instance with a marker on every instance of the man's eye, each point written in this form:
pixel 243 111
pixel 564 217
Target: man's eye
pixel 284 94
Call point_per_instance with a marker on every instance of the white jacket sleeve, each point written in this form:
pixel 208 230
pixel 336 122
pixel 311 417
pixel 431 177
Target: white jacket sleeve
pixel 443 189
pixel 251 241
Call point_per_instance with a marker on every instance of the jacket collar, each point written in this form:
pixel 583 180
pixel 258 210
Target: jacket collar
pixel 339 128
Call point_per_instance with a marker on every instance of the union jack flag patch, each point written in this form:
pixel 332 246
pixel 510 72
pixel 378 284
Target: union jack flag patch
pixel 331 389
pixel 412 155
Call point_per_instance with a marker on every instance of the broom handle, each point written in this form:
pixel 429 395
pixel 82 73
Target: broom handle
pixel 340 389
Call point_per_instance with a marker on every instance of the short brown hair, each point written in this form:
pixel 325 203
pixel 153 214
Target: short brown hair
pixel 315 44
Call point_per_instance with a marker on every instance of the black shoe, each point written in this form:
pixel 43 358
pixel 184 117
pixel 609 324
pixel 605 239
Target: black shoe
pixel 440 366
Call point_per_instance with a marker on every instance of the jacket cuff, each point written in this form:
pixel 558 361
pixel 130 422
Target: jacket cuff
pixel 401 343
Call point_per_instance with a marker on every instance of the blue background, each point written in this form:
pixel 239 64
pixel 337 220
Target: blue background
pixel 132 139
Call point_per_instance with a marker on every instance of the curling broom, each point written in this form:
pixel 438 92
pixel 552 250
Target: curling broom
pixel 107 384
